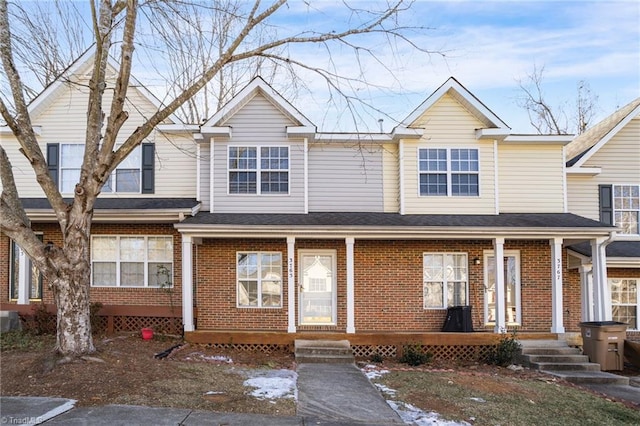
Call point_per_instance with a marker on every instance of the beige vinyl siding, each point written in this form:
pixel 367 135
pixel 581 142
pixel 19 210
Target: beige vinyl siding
pixel 448 124
pixel 619 160
pixel 345 178
pixel 259 123
pixel 531 178
pixel 64 121
pixel 390 179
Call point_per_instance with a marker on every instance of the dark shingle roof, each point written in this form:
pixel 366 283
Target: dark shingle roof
pixel 615 249
pixel 506 220
pixel 120 203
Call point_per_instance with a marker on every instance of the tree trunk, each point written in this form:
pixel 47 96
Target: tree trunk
pixel 71 290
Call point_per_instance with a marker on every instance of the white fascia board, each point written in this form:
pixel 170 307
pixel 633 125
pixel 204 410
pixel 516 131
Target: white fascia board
pixel 498 133
pixel 623 262
pixel 403 132
pixel 216 131
pixel 539 139
pixel 585 171
pixel 453 84
pixel 6 130
pixel 301 131
pixel 255 85
pixel 391 233
pixel 120 215
pixel 608 136
pixel 47 92
pixel 353 137
pixel 178 128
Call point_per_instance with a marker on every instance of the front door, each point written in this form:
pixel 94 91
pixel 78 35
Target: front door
pixel 511 265
pixel 317 289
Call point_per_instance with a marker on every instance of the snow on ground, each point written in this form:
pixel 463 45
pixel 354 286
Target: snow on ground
pixel 407 412
pixel 273 384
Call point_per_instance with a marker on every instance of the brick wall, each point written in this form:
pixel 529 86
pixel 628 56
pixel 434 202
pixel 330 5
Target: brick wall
pixel 388 293
pixel 108 295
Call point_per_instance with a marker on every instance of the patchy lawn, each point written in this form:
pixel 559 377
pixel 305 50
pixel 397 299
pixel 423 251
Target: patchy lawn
pixel 125 371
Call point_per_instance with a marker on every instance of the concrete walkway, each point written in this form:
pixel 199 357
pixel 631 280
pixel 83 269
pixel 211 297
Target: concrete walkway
pixel 341 392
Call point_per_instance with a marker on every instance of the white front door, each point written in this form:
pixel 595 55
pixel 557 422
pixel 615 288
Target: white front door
pixel 317 289
pixel 511 267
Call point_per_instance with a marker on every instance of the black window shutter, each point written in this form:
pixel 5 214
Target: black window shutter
pixel 148 168
pixel 606 204
pixel 53 160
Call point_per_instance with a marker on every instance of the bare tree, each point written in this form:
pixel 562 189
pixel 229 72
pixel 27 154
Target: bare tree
pixel 67 267
pixel 549 119
pixel 48 37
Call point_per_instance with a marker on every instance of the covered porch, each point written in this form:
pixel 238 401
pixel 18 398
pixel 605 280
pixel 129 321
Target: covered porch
pixel 484 241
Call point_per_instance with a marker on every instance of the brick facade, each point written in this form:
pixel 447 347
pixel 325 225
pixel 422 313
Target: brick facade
pixel 108 295
pixel 388 285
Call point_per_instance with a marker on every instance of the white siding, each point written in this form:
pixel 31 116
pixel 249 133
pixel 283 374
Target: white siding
pixel 345 178
pixel 449 125
pixel 619 160
pixel 531 178
pixel 259 123
pixel 64 121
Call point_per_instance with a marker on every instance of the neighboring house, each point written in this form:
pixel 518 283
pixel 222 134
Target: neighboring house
pixel 135 248
pixel 603 183
pixel 271 230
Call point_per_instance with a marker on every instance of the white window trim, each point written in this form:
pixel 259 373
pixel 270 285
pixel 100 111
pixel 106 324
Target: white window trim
pixel 258 171
pixel 445 289
pixel 259 279
pixel 146 261
pixel 112 177
pixel 637 303
pixel 613 204
pixel 448 172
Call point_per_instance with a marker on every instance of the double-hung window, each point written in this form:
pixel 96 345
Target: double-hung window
pixel 445 280
pixel 132 261
pixel 626 207
pixel 258 170
pixel 624 300
pixel 448 172
pixel 259 279
pixel 135 174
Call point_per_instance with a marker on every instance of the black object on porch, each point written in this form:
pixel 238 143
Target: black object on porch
pixel 458 319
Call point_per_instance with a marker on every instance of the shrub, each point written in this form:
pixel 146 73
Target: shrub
pixel 505 352
pixel 414 355
pixel 41 321
pixel 377 358
pixel 94 318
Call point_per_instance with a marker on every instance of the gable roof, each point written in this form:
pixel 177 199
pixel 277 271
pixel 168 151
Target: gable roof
pixel 82 64
pixel 255 86
pixel 588 143
pixel 465 98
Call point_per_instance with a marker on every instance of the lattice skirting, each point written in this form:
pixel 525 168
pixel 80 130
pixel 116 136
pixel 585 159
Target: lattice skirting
pixel 250 347
pixel 129 323
pixel 458 352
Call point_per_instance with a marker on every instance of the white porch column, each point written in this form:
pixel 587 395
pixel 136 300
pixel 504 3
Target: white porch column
pixel 24 271
pixel 291 284
pixel 586 290
pixel 498 255
pixel 602 297
pixel 557 319
pixel 351 322
pixel 187 283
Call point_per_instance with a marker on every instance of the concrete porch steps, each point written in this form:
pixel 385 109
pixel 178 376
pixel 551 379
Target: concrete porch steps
pixel 323 351
pixel 556 358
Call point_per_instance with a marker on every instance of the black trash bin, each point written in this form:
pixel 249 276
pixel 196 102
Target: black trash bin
pixel 458 319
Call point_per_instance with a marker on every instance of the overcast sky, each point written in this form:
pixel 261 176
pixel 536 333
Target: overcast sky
pixel 489 46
